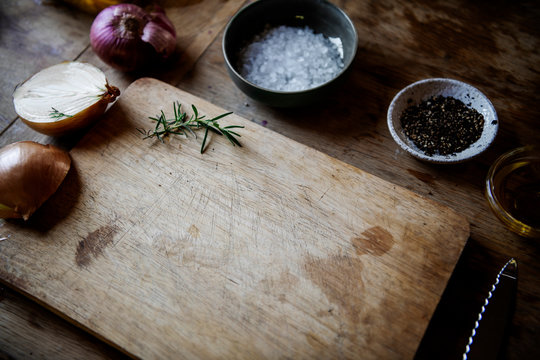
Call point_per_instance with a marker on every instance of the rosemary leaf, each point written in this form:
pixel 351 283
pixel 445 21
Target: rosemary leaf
pixel 234 133
pixel 221 116
pixel 204 140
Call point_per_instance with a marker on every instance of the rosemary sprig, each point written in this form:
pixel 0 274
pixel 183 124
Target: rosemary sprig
pixel 55 114
pixel 182 125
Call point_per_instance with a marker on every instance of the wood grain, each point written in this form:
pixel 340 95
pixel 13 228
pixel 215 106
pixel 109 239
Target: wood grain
pixel 269 250
pixel 40 326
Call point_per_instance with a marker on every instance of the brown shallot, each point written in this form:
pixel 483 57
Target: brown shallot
pixel 29 174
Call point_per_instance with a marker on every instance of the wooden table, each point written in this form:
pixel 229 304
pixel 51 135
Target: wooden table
pixel 490 45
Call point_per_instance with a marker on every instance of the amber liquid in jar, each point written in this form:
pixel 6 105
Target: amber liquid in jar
pixel 518 190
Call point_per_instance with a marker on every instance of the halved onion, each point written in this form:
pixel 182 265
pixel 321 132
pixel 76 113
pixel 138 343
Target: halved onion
pixel 64 97
pixel 29 174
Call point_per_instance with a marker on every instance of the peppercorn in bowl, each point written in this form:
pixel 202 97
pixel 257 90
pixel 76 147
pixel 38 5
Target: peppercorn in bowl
pixel 442 120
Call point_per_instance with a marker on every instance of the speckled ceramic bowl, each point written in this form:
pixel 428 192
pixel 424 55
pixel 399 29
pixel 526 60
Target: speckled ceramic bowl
pixel 422 90
pixel 320 15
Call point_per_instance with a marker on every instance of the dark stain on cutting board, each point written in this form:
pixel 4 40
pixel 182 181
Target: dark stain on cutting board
pixel 374 241
pixel 340 278
pixel 93 244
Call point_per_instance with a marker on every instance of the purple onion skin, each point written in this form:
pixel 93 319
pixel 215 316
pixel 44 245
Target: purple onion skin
pixel 117 35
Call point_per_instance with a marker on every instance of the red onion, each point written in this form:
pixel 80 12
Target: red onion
pixel 128 38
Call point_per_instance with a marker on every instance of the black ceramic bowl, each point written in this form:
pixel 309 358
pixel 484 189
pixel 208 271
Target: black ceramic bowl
pixel 319 15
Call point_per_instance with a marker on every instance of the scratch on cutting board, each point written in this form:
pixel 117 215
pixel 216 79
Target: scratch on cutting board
pixel 324 193
pixel 306 196
pixel 93 244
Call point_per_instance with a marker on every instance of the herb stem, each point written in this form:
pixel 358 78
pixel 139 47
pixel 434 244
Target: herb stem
pixel 182 125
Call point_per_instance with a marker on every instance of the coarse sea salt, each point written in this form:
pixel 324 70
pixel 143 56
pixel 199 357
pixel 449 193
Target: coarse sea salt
pixel 288 58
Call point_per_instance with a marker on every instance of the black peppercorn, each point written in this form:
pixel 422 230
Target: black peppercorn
pixel 442 125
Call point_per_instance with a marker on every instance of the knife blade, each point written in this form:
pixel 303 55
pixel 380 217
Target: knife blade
pixel 489 329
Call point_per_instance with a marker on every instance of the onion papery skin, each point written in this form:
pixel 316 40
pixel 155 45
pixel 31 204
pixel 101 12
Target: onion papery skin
pixel 29 174
pixel 128 38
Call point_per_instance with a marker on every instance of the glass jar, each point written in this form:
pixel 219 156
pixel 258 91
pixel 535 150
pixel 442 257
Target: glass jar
pixel 513 190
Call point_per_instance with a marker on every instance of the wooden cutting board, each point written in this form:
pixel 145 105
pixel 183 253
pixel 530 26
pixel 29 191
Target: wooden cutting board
pixel 271 250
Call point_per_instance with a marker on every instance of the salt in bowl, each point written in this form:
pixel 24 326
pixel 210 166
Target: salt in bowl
pixel 417 92
pixel 319 15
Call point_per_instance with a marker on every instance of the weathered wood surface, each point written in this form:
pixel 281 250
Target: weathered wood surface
pixel 491 45
pixel 271 249
pixel 30 331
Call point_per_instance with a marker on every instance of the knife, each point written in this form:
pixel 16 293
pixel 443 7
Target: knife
pixel 489 330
